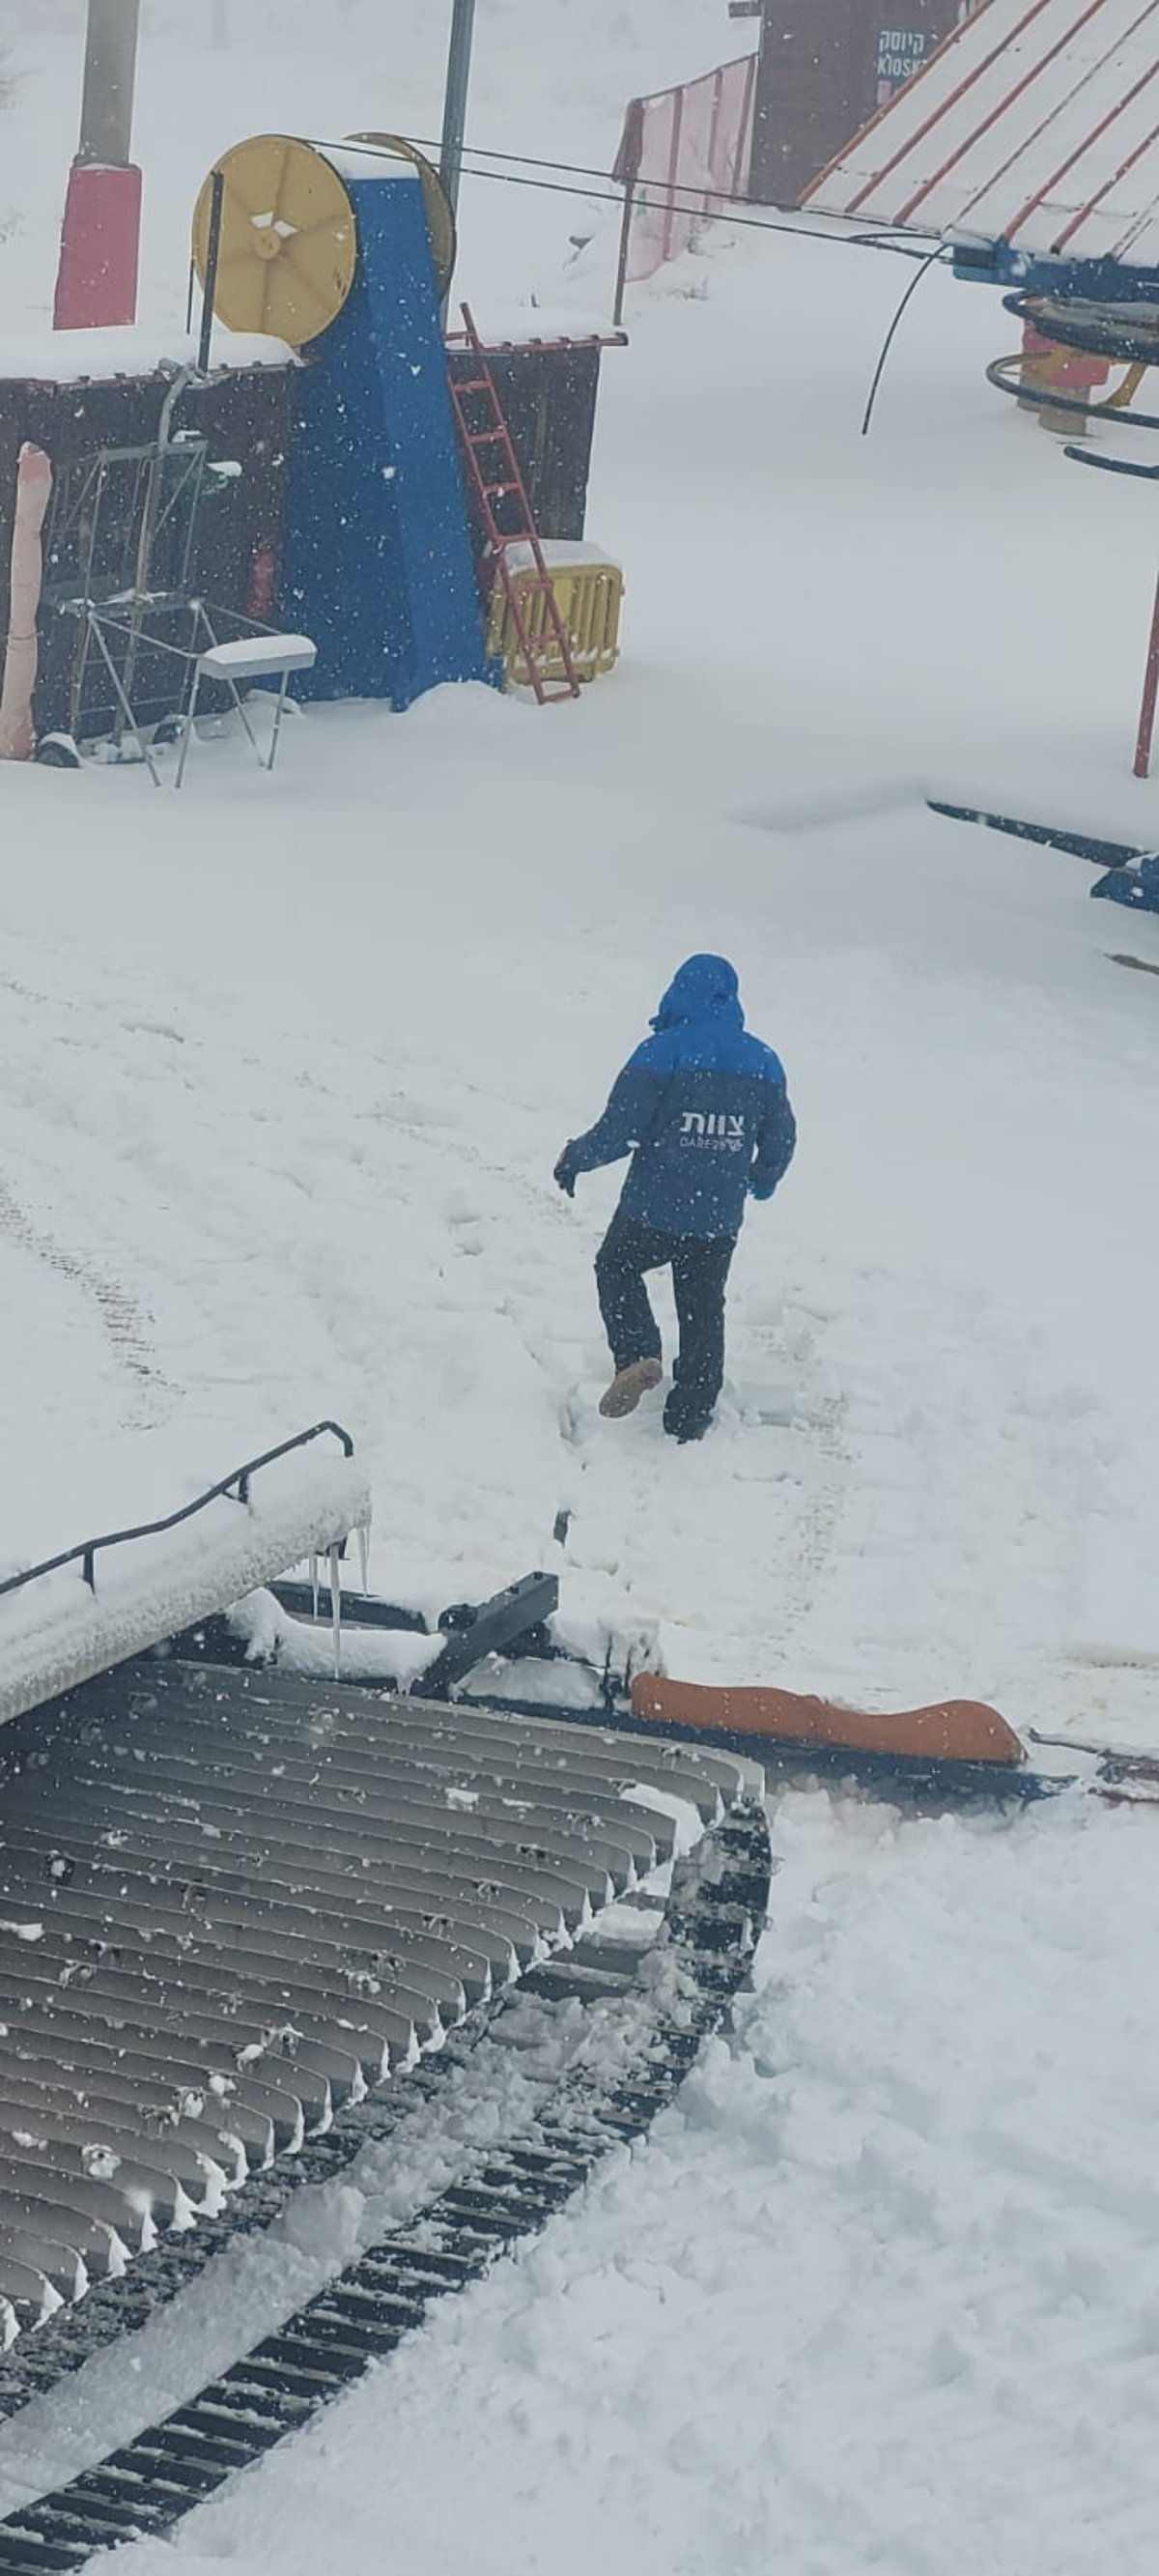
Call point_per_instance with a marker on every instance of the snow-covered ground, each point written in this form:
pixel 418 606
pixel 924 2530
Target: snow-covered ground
pixel 287 1062
pixel 880 2297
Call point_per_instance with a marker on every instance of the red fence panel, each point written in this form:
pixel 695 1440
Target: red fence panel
pixel 683 152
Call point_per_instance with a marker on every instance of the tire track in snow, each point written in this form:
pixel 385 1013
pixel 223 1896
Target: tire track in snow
pixel 819 1456
pixel 957 1426
pixel 125 1322
pixel 710 1555
pixel 42 1026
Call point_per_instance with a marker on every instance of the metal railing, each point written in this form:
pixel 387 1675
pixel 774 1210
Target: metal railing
pixel 232 1488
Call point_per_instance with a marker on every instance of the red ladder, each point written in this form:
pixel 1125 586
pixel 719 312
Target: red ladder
pixel 498 486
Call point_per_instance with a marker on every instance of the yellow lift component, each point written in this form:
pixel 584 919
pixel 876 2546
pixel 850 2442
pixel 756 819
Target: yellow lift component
pixel 589 591
pixel 1125 393
pixel 289 244
pixel 289 241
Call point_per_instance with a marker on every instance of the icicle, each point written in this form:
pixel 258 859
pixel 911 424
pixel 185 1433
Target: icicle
pixel 364 1554
pixel 336 1609
pixel 314 1579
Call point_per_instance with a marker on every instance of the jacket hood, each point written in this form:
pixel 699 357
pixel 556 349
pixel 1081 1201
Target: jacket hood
pixel 705 988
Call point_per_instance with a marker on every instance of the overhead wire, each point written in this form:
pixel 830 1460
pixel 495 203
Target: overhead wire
pixel 664 193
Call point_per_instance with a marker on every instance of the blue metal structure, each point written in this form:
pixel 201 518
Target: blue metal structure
pixel 378 567
pixel 1112 282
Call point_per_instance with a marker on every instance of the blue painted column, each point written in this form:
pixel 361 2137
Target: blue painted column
pixel 378 566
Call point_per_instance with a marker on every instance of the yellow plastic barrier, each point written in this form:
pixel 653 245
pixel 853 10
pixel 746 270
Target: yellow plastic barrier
pixel 588 588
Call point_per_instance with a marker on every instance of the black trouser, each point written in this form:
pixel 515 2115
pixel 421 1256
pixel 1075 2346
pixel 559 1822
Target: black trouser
pixel 699 1266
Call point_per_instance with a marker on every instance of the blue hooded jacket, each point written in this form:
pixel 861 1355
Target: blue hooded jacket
pixel 705 1107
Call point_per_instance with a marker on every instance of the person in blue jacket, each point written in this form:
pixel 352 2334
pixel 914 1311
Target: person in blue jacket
pixel 703 1109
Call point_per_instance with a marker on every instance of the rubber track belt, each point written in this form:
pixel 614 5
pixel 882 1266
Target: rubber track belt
pixel 363 2315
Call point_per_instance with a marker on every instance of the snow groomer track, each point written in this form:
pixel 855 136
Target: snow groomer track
pixel 248 1922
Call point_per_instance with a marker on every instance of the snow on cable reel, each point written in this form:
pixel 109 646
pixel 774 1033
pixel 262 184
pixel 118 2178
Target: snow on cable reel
pixel 289 246
pixel 289 238
pixel 439 212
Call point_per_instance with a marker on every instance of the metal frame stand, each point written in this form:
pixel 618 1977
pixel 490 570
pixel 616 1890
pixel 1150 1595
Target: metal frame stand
pixel 257 652
pixel 277 656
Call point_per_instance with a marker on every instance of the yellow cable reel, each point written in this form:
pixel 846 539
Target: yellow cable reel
pixel 440 220
pixel 289 243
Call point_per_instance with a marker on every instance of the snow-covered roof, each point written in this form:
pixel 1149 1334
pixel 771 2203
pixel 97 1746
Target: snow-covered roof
pixel 532 327
pixel 101 357
pixel 1036 124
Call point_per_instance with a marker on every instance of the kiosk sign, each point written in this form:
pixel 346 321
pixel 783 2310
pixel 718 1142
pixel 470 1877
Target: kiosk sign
pixel 901 52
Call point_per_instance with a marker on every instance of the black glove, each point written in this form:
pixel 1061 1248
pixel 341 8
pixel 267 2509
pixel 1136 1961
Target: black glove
pixel 564 1176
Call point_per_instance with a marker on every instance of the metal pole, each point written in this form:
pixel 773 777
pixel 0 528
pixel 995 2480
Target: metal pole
pixel 626 174
pixel 212 258
pixel 455 103
pixel 673 172
pixel 1145 735
pixel 106 122
pixel 622 260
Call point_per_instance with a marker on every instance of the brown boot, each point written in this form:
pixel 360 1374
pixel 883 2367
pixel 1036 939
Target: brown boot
pixel 627 1387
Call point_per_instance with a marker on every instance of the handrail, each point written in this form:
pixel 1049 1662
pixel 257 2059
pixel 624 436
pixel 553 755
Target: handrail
pixel 1051 398
pixel 1100 331
pixel 87 1549
pixel 1112 464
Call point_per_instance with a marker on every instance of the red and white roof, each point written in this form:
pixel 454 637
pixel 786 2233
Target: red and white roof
pixel 1036 123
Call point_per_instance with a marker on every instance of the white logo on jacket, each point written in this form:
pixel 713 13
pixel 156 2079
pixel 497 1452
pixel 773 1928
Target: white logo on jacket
pixel 712 1127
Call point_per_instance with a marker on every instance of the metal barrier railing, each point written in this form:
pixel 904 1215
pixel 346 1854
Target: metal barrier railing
pixel 232 1488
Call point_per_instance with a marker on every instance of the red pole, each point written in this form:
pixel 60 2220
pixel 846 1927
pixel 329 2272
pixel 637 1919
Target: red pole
pixel 1146 731
pixel 96 283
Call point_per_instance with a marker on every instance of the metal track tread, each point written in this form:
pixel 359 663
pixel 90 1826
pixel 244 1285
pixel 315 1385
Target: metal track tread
pixel 718 1903
pixel 232 1904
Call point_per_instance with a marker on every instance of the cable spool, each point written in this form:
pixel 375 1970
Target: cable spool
pixel 440 219
pixel 289 242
